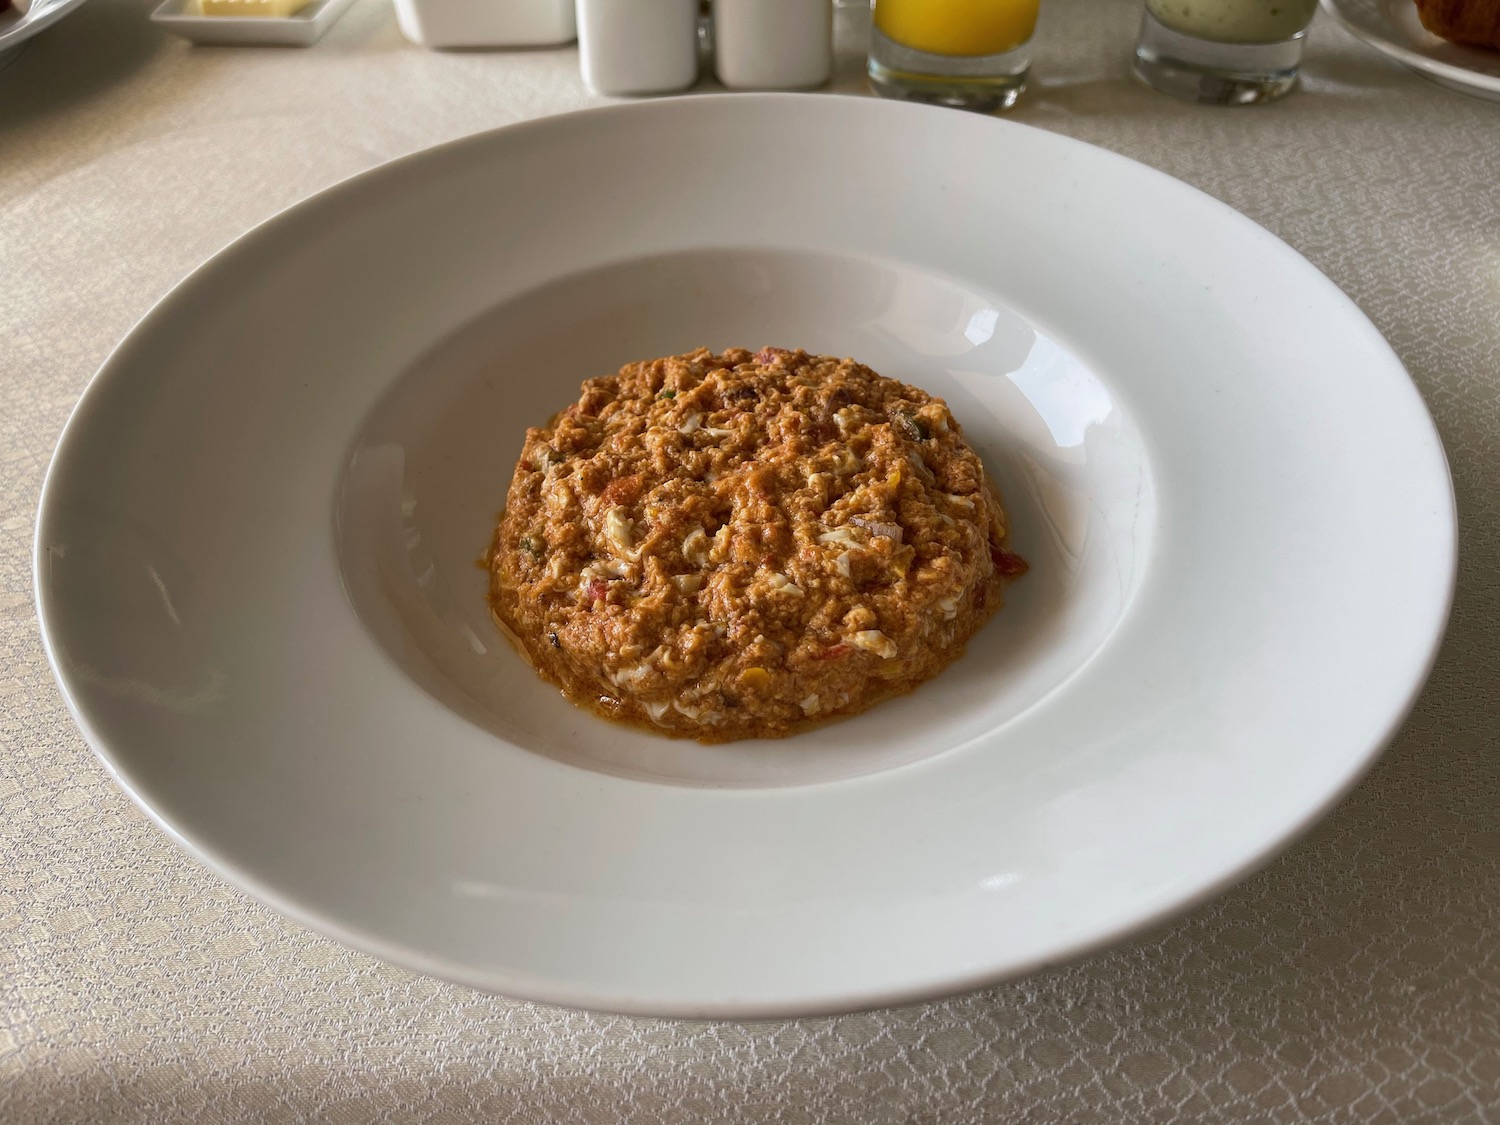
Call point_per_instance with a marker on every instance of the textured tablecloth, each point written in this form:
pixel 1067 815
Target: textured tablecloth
pixel 1357 979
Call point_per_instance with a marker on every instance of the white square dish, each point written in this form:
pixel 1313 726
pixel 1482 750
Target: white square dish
pixel 182 17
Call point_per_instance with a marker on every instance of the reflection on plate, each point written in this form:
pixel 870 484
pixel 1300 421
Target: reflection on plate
pixel 255 557
pixel 1392 26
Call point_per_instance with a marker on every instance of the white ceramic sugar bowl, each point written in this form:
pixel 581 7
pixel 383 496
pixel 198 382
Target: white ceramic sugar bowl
pixel 773 44
pixel 638 46
pixel 487 23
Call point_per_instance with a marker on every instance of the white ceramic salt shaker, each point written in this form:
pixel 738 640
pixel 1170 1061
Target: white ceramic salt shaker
pixel 773 44
pixel 638 46
pixel 487 23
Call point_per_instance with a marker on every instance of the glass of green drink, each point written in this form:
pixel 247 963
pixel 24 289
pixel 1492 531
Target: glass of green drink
pixel 1223 52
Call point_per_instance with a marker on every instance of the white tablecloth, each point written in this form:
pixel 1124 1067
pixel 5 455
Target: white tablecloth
pixel 1355 980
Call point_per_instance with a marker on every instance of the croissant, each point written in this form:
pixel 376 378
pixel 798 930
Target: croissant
pixel 1475 23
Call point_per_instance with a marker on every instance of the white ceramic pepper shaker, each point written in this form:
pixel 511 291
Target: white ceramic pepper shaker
pixel 773 44
pixel 638 46
pixel 487 23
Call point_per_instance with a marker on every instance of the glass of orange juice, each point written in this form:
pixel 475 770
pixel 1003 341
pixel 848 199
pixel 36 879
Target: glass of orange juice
pixel 974 54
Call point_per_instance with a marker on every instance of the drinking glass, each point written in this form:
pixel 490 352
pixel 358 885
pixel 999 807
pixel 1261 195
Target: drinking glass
pixel 974 54
pixel 1223 52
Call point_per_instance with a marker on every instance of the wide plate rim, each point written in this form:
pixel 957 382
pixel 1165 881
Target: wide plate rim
pixel 560 992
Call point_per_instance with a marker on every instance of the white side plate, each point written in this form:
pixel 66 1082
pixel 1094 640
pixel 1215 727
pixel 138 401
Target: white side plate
pixel 1393 28
pixel 257 582
pixel 16 27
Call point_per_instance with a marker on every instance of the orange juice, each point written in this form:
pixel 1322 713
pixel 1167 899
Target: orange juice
pixel 957 27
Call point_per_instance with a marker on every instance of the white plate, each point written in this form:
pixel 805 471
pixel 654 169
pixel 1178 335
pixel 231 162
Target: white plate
pixel 1392 26
pixel 183 17
pixel 257 543
pixel 16 28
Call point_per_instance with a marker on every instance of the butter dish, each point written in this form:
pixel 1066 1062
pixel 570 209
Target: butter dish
pixel 302 29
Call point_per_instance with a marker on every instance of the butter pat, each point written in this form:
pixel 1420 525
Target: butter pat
pixel 279 9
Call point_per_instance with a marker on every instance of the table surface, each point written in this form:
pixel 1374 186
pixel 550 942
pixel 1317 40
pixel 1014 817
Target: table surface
pixel 1357 979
